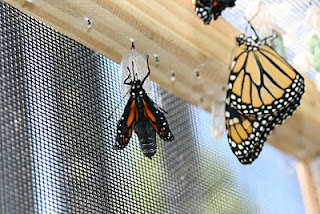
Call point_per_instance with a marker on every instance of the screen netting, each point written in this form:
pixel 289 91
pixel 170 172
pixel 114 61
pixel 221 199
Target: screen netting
pixel 56 139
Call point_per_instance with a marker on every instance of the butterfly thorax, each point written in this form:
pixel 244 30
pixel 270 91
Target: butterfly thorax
pixel 137 93
pixel 136 89
pixel 253 42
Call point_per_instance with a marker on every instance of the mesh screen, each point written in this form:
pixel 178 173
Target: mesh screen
pixel 56 140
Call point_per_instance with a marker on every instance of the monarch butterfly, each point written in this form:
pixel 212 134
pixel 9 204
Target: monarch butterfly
pixel 263 90
pixel 139 114
pixel 205 9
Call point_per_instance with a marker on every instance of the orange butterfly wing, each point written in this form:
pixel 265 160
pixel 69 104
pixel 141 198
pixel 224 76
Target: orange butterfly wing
pixel 126 124
pixel 157 119
pixel 261 81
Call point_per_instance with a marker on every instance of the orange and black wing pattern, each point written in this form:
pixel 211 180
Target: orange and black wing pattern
pixel 262 82
pixel 206 9
pixel 157 119
pixel 246 134
pixel 126 124
pixel 263 90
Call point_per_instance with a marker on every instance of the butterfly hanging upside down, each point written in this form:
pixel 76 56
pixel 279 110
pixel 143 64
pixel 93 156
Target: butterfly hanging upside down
pixel 205 9
pixel 263 90
pixel 142 115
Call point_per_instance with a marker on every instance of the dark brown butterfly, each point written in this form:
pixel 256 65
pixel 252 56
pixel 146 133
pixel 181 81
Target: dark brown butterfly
pixel 205 9
pixel 142 115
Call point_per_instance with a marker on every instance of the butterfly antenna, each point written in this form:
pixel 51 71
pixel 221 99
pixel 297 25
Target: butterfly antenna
pixel 148 74
pixel 134 74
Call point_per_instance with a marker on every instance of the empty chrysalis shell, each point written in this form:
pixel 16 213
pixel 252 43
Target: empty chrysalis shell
pixel 278 45
pixel 313 17
pixel 137 64
pixel 218 110
pixel 314 49
pixel 218 119
pixel 257 12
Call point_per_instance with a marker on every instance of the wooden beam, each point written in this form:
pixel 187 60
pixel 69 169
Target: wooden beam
pixel 171 30
pixel 309 188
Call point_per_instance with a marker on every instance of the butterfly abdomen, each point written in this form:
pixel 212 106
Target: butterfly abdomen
pixel 147 137
pixel 145 132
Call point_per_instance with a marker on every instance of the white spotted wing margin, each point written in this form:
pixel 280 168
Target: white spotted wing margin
pixel 244 135
pixel 126 124
pixel 156 118
pixel 248 133
pixel 263 90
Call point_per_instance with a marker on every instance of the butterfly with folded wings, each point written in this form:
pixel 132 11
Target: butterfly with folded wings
pixel 142 115
pixel 263 90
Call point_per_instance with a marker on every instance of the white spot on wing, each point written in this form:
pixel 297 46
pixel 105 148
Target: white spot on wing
pixel 227 114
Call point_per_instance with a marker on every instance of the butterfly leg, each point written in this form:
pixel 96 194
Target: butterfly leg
pixel 269 38
pixel 148 74
pixel 129 76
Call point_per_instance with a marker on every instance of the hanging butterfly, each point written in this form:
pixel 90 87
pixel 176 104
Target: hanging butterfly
pixel 205 9
pixel 263 90
pixel 142 115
